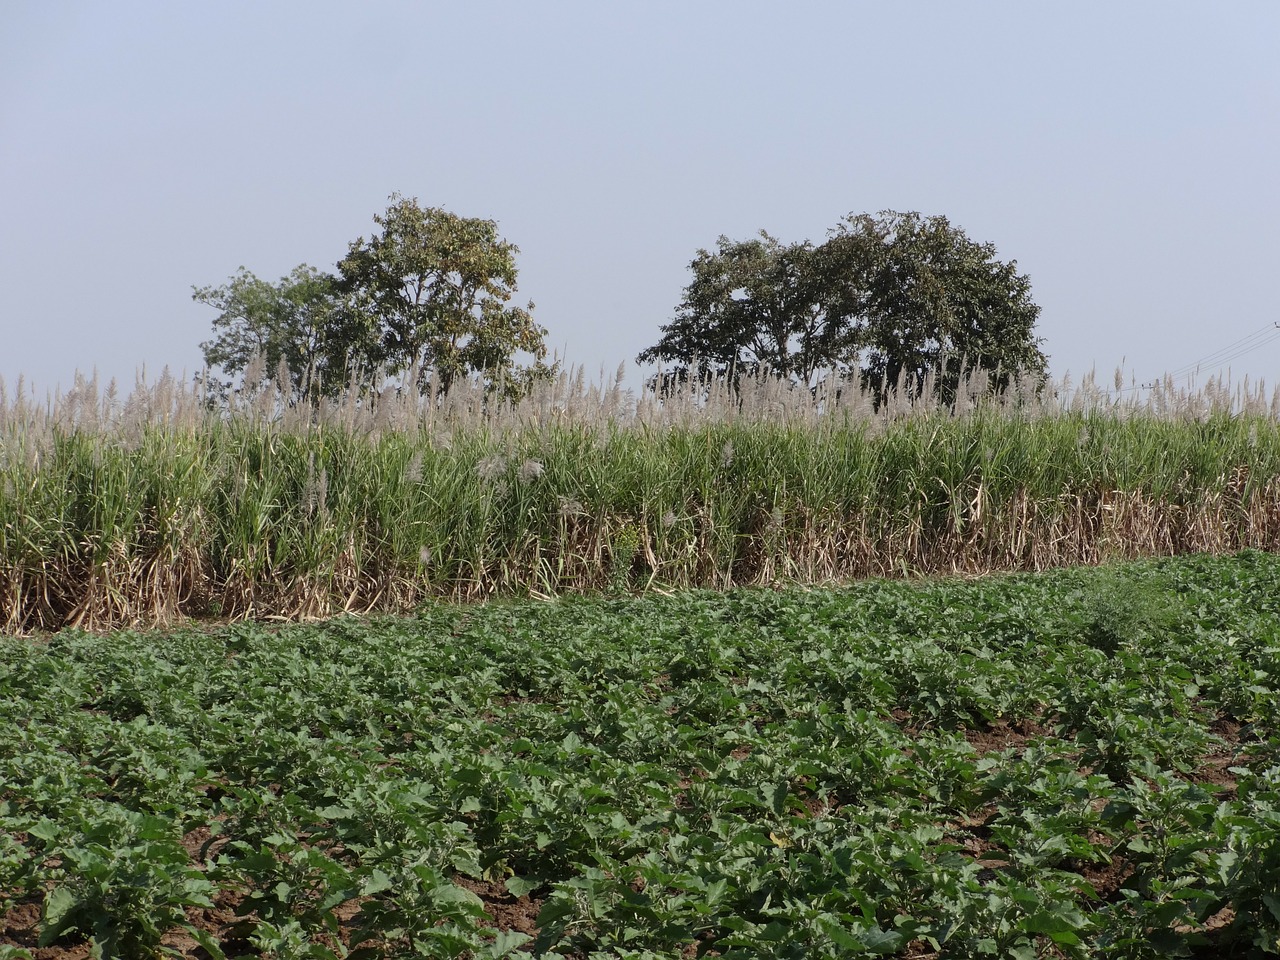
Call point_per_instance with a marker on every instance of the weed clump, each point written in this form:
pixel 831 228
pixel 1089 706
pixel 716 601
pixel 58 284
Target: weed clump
pixel 1119 611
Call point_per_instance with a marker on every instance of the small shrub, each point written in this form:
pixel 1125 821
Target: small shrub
pixel 1118 611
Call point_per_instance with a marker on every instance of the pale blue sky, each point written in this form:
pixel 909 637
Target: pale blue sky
pixel 1126 154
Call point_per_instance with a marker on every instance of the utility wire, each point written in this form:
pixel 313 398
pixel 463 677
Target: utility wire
pixel 1259 338
pixel 1232 351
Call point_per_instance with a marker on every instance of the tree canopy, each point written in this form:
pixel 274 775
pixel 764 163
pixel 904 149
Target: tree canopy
pixel 439 285
pixel 896 295
pixel 298 331
pixel 425 297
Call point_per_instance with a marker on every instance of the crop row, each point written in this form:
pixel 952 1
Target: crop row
pixel 246 519
pixel 1075 764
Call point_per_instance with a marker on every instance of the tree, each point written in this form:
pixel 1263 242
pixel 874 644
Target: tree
pixel 300 325
pixel 754 306
pixel 929 299
pixel 427 297
pixel 887 296
pixel 439 285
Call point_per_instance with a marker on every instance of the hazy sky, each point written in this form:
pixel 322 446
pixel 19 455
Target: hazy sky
pixel 1127 155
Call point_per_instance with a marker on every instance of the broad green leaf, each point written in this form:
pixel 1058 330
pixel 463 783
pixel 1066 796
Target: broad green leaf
pixel 521 886
pixel 60 908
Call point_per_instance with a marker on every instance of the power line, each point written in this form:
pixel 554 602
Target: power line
pixel 1259 338
pixel 1232 351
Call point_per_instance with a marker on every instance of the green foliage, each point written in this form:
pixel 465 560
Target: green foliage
pixel 301 331
pixel 758 306
pixel 1118 610
pixel 622 553
pixel 874 770
pixel 425 298
pixel 930 300
pixel 438 285
pixel 128 881
pixel 898 298
pixel 252 518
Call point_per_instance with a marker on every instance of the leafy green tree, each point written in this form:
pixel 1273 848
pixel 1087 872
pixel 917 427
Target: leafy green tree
pixel 926 297
pixel 439 286
pixel 300 325
pixel 427 297
pixel 887 296
pixel 755 306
